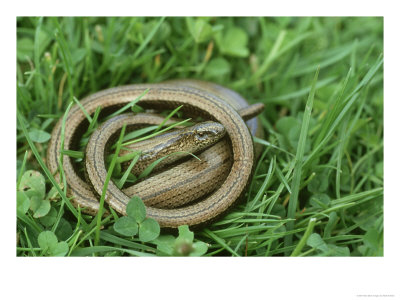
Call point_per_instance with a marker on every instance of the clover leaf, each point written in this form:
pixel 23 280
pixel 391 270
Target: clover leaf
pixel 33 188
pixel 39 136
pixel 183 245
pixel 149 230
pixel 136 209
pixel 48 241
pixel 136 222
pixel 126 226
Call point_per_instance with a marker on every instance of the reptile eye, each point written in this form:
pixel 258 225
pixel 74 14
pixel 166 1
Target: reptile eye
pixel 201 135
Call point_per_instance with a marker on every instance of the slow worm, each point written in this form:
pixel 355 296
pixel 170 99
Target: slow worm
pixel 210 101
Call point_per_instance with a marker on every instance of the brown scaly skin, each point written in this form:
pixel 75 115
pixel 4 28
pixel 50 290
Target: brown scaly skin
pixel 192 139
pixel 195 102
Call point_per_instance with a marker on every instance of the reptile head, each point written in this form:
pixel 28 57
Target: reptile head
pixel 205 134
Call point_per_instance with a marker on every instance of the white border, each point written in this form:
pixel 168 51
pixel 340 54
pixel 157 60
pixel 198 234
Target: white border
pixel 200 278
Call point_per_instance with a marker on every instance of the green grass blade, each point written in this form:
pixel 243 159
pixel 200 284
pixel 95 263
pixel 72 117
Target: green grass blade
pixel 303 240
pixel 136 133
pixel 21 171
pixel 39 88
pixel 66 54
pixel 124 177
pixel 156 133
pixel 168 117
pixel 88 117
pixel 332 114
pixel 107 180
pixel 44 167
pixel 221 242
pixel 127 106
pixel 299 160
pixel 150 167
pixel 99 249
pixel 148 39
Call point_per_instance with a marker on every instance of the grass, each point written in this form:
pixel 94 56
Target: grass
pixel 318 185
